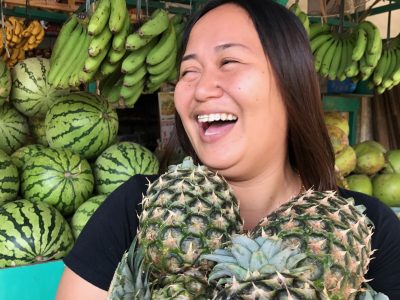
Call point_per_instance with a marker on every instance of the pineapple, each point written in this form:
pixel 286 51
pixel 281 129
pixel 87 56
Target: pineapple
pixel 333 233
pixel 261 268
pixel 188 211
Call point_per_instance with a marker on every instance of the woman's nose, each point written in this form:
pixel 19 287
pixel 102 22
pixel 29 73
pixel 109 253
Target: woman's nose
pixel 208 87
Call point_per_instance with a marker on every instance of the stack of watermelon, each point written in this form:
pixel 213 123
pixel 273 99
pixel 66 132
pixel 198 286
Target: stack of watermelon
pixel 59 159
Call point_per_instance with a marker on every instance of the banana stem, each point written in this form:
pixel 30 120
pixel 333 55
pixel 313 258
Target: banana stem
pixel 388 25
pixel 341 16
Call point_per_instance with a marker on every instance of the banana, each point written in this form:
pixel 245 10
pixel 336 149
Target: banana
pixel 163 48
pixel 132 79
pixel 59 61
pixel 320 53
pixel 134 41
pixel 177 19
pixel 100 17
pixel 295 8
pixel 99 42
pixel 156 24
pixel 396 73
pixel 113 94
pixel 108 68
pixel 381 68
pixel 352 69
pixel 134 97
pixel 374 37
pixel 127 91
pixel 365 69
pixel 159 78
pixel 305 21
pixel 317 29
pixel 63 36
pixel 92 63
pixel 36 27
pixel 117 15
pixel 119 39
pixel 174 75
pixel 136 58
pixel 337 55
pixel 165 64
pixel 114 56
pixel 387 76
pixel 319 40
pixel 360 44
pixel 328 57
pixel 346 45
pixel 380 90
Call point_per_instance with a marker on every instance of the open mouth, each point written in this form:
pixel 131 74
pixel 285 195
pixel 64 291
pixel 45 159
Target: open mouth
pixel 211 122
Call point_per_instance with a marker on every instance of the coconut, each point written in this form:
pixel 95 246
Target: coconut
pixel 338 119
pixel 370 158
pixel 392 162
pixel 338 137
pixel 386 187
pixel 346 160
pixel 360 183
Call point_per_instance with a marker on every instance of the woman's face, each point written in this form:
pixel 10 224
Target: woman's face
pixel 227 96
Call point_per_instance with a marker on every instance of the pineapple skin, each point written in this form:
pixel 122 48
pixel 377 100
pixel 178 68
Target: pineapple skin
pixel 334 234
pixel 188 211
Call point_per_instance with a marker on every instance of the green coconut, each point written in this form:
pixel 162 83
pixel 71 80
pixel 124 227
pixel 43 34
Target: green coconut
pixel 370 158
pixel 392 162
pixel 345 160
pixel 360 183
pixel 386 187
pixel 337 119
pixel 338 137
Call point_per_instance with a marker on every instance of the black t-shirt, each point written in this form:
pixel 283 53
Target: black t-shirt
pixel 110 231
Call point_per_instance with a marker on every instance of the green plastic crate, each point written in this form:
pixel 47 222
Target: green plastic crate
pixel 31 282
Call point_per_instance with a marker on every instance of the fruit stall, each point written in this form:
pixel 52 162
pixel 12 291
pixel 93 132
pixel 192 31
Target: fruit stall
pixel 86 102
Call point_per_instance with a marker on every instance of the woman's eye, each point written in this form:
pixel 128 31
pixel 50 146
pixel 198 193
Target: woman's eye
pixel 228 61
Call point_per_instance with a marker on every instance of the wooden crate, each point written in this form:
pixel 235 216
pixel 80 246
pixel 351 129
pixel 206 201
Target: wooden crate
pixel 66 6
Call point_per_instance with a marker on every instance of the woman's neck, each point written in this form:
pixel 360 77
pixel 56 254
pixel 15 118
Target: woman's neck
pixel 260 196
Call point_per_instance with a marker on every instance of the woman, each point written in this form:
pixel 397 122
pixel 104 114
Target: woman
pixel 248 106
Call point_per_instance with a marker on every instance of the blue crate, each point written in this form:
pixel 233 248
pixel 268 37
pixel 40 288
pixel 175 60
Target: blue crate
pixel 341 87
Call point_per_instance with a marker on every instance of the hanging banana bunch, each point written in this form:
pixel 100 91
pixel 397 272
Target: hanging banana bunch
pixel 295 8
pixel 15 40
pixel 353 54
pixel 150 60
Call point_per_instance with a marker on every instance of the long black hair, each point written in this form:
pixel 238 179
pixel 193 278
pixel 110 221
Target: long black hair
pixel 286 45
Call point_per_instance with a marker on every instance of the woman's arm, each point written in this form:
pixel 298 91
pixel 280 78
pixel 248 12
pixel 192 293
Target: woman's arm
pixel 74 287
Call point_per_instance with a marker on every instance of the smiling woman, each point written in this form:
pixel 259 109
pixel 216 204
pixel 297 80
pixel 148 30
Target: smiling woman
pixel 248 107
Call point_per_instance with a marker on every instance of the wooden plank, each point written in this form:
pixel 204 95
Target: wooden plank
pixel 71 6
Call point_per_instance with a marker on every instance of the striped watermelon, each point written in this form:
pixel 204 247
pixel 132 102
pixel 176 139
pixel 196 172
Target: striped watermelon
pixel 14 130
pixel 20 156
pixel 30 92
pixel 121 161
pixel 57 177
pixel 32 232
pixel 82 122
pixel 84 212
pixel 38 130
pixel 5 82
pixel 9 179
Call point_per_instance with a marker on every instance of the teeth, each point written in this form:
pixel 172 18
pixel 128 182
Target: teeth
pixel 216 117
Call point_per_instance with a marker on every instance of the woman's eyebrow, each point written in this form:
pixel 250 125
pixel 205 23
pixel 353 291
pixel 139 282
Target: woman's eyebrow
pixel 217 49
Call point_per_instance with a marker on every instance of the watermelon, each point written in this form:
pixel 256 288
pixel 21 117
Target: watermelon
pixel 119 162
pixel 58 177
pixel 84 213
pixel 5 82
pixel 38 130
pixel 9 179
pixel 30 92
pixel 14 130
pixel 20 156
pixel 32 232
pixel 82 122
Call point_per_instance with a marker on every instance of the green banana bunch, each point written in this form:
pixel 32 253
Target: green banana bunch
pixel 132 79
pixel 119 39
pixel 100 17
pixel 373 49
pixel 99 42
pixel 295 8
pixel 110 86
pixel 136 58
pixel 63 36
pixel 62 56
pixel 360 44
